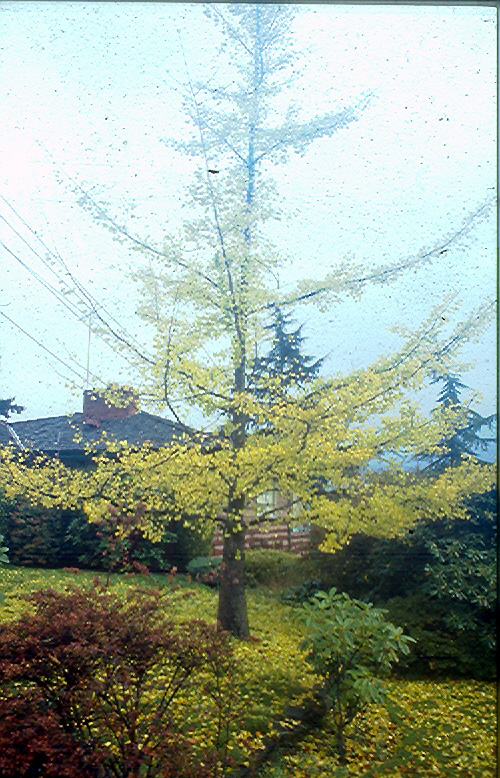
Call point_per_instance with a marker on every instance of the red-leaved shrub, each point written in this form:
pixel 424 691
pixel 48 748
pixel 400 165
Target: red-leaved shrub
pixel 32 742
pixel 91 685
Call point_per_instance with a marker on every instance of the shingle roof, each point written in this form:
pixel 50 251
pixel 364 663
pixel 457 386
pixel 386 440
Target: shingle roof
pixel 58 433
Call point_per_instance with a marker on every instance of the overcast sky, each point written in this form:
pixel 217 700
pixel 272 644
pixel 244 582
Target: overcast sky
pixel 89 89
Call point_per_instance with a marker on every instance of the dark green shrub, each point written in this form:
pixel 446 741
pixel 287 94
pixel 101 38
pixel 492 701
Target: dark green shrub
pixel 186 544
pixel 452 611
pixel 375 569
pixel 205 569
pixel 378 569
pixel 100 546
pixel 438 582
pixel 444 650
pixel 302 592
pixel 36 536
pixel 4 559
pixel 39 537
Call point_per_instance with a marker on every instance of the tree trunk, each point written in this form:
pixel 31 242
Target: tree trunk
pixel 232 615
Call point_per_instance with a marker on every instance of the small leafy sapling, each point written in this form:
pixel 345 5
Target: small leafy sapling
pixel 352 647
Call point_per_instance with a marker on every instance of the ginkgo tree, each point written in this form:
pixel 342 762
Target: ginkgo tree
pixel 206 295
pixel 318 446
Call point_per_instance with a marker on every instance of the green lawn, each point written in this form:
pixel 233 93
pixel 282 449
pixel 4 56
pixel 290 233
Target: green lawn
pixel 443 728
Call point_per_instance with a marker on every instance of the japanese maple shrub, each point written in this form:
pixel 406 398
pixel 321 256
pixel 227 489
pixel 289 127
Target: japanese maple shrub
pixel 95 685
pixel 352 647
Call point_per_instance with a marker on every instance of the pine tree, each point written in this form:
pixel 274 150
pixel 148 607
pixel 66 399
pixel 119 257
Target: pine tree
pixel 7 407
pixel 465 440
pixel 284 365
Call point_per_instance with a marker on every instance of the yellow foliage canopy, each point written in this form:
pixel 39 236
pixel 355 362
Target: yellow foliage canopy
pixel 318 447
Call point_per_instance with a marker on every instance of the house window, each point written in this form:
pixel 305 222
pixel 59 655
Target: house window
pixel 267 503
pixel 301 528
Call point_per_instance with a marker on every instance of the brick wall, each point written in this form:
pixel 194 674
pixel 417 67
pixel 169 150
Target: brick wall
pixel 281 536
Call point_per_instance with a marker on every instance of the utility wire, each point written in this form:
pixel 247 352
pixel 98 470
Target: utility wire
pixel 72 309
pixel 90 301
pixel 21 237
pixel 68 367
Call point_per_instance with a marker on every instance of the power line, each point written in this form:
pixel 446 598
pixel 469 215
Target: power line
pixel 73 310
pixel 68 367
pixel 90 302
pixel 43 282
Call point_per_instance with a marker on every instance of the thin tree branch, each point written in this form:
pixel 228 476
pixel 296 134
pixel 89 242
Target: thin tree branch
pixel 383 275
pixel 235 309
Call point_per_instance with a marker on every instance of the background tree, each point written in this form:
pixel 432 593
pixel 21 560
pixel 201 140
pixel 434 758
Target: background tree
pixel 465 440
pixel 284 363
pixel 206 296
pixel 8 406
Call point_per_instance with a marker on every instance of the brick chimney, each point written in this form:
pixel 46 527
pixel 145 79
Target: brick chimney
pixel 97 408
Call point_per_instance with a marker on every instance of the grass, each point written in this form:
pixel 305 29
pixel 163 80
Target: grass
pixel 445 728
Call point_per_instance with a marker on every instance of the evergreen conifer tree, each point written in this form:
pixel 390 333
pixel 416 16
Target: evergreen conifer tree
pixel 7 407
pixel 284 364
pixel 465 440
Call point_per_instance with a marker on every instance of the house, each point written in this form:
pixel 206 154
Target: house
pixel 101 420
pixel 282 536
pixel 68 436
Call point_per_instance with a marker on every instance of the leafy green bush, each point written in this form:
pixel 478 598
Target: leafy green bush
pixel 462 565
pixel 4 559
pixel 351 646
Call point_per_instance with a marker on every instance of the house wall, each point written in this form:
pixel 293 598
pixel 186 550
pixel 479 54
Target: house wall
pixel 280 536
pixel 279 533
